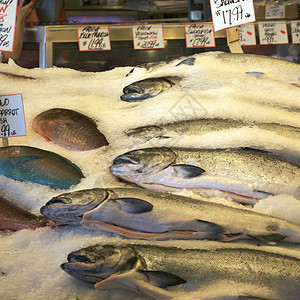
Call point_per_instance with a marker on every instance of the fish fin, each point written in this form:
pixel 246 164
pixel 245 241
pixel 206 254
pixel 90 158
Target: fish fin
pixel 134 205
pixel 257 74
pixel 163 279
pixel 188 61
pixel 271 239
pixel 188 171
pixel 209 227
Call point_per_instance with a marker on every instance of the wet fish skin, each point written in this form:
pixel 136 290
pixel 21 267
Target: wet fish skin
pixel 151 215
pixel 247 175
pixel 240 270
pixel 69 129
pixel 148 88
pixel 68 208
pixel 32 164
pixel 14 218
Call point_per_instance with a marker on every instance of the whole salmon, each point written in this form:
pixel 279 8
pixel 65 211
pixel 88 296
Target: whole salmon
pixel 69 129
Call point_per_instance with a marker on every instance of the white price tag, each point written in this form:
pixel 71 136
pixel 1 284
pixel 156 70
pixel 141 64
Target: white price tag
pixel 273 32
pixel 275 12
pixel 229 13
pixel 93 38
pixel 8 12
pixel 199 35
pixel 247 34
pixel 148 37
pixel 295 28
pixel 12 119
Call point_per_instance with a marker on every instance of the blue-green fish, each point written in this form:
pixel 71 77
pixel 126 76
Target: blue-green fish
pixel 39 166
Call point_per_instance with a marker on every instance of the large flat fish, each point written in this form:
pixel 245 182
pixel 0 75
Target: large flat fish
pixel 14 218
pixel 144 214
pixel 39 166
pixel 69 129
pixel 204 270
pixel 245 175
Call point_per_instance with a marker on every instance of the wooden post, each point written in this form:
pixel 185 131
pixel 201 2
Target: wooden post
pixel 5 142
pixel 233 39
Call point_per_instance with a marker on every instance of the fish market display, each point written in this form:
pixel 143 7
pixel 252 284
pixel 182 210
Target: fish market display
pixel 69 129
pixel 145 214
pixel 150 269
pixel 203 114
pixel 39 166
pixel 246 175
pixel 15 218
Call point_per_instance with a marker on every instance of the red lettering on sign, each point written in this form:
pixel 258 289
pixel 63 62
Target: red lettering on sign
pixel 3 9
pixel 2 18
pixel 249 32
pixel 282 31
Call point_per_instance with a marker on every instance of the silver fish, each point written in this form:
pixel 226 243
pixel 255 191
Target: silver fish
pixel 204 269
pixel 245 175
pixel 151 215
pixel 148 88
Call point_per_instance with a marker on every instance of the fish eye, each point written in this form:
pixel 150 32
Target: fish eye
pixel 90 249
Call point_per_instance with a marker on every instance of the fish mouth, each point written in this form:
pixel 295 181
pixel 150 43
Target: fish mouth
pixel 135 97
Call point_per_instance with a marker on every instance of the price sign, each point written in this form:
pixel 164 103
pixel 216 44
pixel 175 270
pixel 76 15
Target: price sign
pixel 8 12
pixel 93 38
pixel 273 32
pixel 229 13
pixel 148 37
pixel 295 28
pixel 247 34
pixel 199 35
pixel 12 120
pixel 275 12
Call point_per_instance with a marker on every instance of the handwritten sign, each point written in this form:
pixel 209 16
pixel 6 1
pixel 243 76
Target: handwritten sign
pixel 273 32
pixel 229 13
pixel 295 28
pixel 247 34
pixel 8 12
pixel 275 12
pixel 148 37
pixel 12 120
pixel 199 35
pixel 93 38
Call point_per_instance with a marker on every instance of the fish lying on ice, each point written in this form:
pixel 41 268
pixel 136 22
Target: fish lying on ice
pixel 69 129
pixel 148 88
pixel 15 218
pixel 245 175
pixel 220 272
pixel 145 214
pixel 31 164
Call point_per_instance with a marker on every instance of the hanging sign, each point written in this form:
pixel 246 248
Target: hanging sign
pixel 199 35
pixel 93 38
pixel 148 37
pixel 273 32
pixel 247 34
pixel 8 12
pixel 275 12
pixel 295 28
pixel 229 13
pixel 12 119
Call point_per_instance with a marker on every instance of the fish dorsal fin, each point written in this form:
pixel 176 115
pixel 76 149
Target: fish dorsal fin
pixel 257 74
pixel 188 171
pixel 188 61
pixel 139 282
pixel 134 205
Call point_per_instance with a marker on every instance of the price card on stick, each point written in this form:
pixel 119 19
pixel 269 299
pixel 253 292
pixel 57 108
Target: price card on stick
pixel 199 35
pixel 12 119
pixel 295 29
pixel 148 37
pixel 93 38
pixel 273 32
pixel 8 13
pixel 230 13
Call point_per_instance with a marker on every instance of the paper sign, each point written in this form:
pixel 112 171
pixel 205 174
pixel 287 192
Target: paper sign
pixel 275 12
pixel 199 35
pixel 273 32
pixel 247 34
pixel 12 119
pixel 295 28
pixel 229 13
pixel 148 37
pixel 8 12
pixel 93 38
